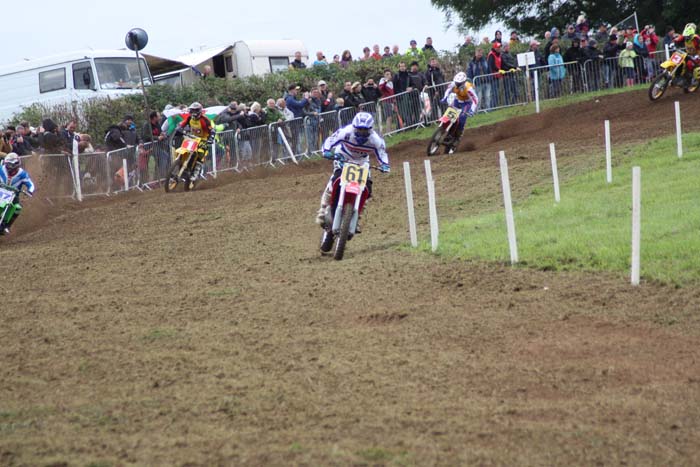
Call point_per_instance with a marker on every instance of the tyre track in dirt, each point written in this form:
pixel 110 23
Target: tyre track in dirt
pixel 249 348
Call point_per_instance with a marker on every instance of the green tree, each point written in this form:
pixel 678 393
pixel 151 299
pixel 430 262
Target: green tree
pixel 536 16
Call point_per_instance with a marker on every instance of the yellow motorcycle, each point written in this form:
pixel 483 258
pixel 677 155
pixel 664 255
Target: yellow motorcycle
pixel 187 165
pixel 673 74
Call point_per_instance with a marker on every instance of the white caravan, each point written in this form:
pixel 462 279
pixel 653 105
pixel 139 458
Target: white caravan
pixel 70 77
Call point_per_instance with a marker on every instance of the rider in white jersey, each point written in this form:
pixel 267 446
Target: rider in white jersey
pixel 356 143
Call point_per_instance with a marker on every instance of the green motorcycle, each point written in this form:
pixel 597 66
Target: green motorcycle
pixel 9 205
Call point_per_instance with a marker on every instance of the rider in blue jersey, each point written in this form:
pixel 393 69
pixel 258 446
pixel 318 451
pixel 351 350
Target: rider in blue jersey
pixel 13 175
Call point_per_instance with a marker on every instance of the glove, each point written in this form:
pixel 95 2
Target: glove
pixel 443 100
pixel 384 168
pixel 210 140
pixel 328 155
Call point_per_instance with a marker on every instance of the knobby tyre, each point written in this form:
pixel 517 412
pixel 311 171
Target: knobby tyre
pixel 435 141
pixel 348 211
pixel 659 86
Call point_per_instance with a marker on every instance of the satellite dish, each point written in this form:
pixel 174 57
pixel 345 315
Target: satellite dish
pixel 136 39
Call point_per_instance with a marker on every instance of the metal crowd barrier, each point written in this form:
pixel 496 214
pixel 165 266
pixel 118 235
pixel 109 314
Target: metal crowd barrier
pixel 327 124
pixel 345 115
pixel 95 175
pixel 295 135
pixel 60 177
pixel 401 112
pixel 226 151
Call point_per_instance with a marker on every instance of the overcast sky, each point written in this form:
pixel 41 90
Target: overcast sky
pixel 174 28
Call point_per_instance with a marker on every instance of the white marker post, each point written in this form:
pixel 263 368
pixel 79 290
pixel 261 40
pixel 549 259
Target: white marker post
pixel 636 222
pixel 555 172
pixel 608 152
pixel 409 202
pixel 286 144
pixel 125 168
pixel 679 138
pixel 213 159
pixel 434 230
pixel 77 182
pixel 507 201
pixel 537 93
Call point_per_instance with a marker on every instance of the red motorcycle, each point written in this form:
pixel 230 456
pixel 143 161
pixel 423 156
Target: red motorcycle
pixel 348 198
pixel 447 131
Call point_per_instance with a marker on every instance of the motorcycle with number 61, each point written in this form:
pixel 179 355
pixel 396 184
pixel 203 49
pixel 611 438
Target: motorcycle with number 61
pixel 348 199
pixel 673 74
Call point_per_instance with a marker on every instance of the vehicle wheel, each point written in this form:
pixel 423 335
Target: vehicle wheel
pixel 172 181
pixel 326 241
pixel 348 211
pixel 434 145
pixel 658 86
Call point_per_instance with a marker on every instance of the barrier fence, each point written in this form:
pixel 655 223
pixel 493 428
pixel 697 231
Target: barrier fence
pixel 144 167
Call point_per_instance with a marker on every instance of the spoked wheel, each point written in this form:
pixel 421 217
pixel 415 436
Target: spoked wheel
pixel 658 86
pixel 434 145
pixel 173 180
pixel 348 211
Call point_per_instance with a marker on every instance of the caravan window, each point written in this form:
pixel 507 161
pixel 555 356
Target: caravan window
pixel 278 64
pixel 52 80
pixel 121 73
pixel 82 76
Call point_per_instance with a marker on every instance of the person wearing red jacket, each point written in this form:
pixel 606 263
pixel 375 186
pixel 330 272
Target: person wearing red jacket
pixel 200 126
pixel 651 40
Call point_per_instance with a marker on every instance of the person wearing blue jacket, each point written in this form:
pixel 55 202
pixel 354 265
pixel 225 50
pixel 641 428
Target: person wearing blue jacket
pixel 13 175
pixel 297 107
pixel 478 66
pixel 557 71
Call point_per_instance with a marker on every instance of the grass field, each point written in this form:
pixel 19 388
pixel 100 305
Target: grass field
pixel 591 228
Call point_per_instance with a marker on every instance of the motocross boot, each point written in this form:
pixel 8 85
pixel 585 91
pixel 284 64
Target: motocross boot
pixel 454 145
pixel 6 229
pixel 323 209
pixel 197 172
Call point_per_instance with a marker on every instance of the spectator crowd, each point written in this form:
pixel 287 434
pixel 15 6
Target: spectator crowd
pixel 576 60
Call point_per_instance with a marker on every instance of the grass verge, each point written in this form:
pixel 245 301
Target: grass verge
pixel 500 115
pixel 591 228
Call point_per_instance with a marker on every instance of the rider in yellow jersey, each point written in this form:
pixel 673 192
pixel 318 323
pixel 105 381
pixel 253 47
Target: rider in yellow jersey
pixel 465 99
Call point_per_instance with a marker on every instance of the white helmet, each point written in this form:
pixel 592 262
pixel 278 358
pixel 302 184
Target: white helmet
pixel 363 123
pixel 196 110
pixel 12 163
pixel 460 79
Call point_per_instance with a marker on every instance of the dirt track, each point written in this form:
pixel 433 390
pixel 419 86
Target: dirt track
pixel 204 328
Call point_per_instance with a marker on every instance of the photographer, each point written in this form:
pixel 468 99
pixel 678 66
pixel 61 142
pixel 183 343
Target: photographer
pixel 5 146
pixel 370 91
pixel 20 144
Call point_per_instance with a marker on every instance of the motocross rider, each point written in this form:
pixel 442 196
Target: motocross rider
pixel 356 143
pixel 13 175
pixel 465 99
pixel 200 126
pixel 692 48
